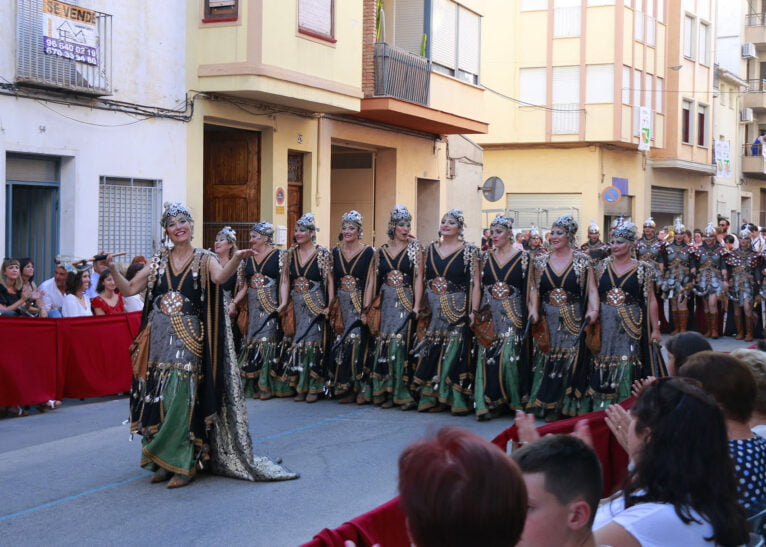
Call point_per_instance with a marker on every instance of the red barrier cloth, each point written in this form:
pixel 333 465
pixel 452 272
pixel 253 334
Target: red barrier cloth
pixel 614 460
pixel 383 525
pixel 28 360
pixel 43 359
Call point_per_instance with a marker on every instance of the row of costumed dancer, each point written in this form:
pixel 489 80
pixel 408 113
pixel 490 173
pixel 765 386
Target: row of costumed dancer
pixel 446 327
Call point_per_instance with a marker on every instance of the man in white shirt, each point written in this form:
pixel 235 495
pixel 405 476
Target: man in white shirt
pixel 98 267
pixel 54 290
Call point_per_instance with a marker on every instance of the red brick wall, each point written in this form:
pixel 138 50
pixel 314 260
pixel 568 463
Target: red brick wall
pixel 368 48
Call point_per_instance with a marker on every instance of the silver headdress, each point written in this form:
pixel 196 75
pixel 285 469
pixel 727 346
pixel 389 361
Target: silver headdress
pixel 174 209
pixel 744 233
pixel 399 213
pixel 71 264
pixel 353 217
pixel 625 230
pixel 307 221
pixel 593 227
pixel 568 224
pixel 710 229
pixel 534 232
pixel 263 228
pixel 503 220
pixel 457 214
pixel 649 223
pixel 678 226
pixel 229 234
pixel 617 222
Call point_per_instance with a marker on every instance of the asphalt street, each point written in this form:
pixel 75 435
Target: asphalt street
pixel 71 477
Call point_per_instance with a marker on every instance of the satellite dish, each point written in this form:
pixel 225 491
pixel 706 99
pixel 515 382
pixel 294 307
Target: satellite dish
pixel 493 189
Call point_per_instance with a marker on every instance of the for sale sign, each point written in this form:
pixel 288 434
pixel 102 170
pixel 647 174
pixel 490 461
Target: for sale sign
pixel 70 31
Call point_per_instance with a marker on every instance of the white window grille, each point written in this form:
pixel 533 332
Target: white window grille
pixel 704 43
pixel 62 56
pixel 661 11
pixel 129 216
pixel 651 31
pixel 567 18
pixel 599 84
pixel 625 85
pixel 532 85
pixel 566 100
pixel 689 35
pixel 456 40
pixel 638 25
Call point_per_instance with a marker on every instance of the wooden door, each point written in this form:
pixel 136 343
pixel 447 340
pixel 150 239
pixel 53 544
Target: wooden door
pixel 232 183
pixel 294 192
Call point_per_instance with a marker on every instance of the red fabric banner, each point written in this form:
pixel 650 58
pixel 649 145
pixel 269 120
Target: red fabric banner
pixel 43 359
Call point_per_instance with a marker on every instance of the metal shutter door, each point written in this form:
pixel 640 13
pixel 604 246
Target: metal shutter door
pixel 542 209
pixel 667 200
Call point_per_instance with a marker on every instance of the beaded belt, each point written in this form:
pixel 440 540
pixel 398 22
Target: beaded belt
pixel 441 285
pixel 348 283
pixel 559 297
pixel 395 279
pixel 301 285
pixel 501 290
pixel 174 303
pixel 258 281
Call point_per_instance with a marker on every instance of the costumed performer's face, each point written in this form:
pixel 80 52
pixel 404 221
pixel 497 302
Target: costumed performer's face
pixel 302 235
pixel 680 238
pixel 350 232
pixel 222 246
pixel 179 229
pixel 648 232
pixel 258 242
pixel 402 230
pixel 500 236
pixel 593 236
pixel 449 226
pixel 620 247
pixel 709 240
pixel 558 237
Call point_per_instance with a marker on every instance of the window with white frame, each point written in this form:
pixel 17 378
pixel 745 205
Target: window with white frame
pixel 661 11
pixel 638 21
pixel 221 9
pixel 704 43
pixel 455 40
pixel 599 84
pixel 658 99
pixel 649 8
pixel 533 85
pixel 534 5
pixel 625 85
pixel 567 18
pixel 648 90
pixel 687 109
pixel 315 17
pixel 566 100
pixel 689 36
pixel 702 117
pixel 651 31
pixel 637 86
pixel 128 215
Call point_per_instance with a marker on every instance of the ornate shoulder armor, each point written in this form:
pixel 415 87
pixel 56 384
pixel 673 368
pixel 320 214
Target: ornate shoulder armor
pixel 644 271
pixel 325 261
pixel 580 263
pixel 601 266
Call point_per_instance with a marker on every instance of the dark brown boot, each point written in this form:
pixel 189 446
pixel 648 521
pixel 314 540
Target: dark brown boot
pixel 714 326
pixel 674 315
pixel 683 320
pixel 738 325
pixel 749 328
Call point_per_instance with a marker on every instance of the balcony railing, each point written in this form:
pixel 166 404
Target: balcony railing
pixel 756 86
pixel 755 19
pixel 401 74
pixel 753 150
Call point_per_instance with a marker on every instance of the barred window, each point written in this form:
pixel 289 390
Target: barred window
pixel 129 216
pixel 216 10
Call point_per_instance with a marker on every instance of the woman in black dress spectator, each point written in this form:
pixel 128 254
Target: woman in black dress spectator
pixel 13 297
pixel 34 306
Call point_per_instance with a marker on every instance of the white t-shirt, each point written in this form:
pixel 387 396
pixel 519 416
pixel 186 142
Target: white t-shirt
pixel 53 299
pixel 134 303
pixel 73 308
pixel 654 524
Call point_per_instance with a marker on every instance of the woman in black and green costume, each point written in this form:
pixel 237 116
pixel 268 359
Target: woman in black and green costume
pixel 259 277
pixel 501 374
pixel 444 372
pixel 564 282
pixel 352 269
pixel 399 281
pixel 307 280
pixel 188 403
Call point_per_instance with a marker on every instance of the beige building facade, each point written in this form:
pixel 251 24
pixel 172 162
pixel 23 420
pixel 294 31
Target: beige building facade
pixel 569 90
pixel 300 107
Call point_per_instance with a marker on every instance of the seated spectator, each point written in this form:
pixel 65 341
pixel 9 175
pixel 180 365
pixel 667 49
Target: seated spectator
pixel 76 303
pixel 136 301
pixel 13 297
pixel 54 291
pixel 35 306
pixel 563 478
pixel 733 386
pixel 682 346
pixel 108 301
pixel 756 362
pixel 681 489
pixel 458 489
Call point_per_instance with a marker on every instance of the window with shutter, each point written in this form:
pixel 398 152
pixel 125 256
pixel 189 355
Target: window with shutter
pixel 532 85
pixel 315 18
pixel 637 85
pixel 455 40
pixel 469 26
pixel 566 100
pixel 408 25
pixel 567 18
pixel 689 24
pixel 444 33
pixel 599 84
pixel 625 85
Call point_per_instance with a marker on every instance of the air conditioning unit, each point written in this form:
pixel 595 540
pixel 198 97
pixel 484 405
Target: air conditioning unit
pixel 748 50
pixel 746 115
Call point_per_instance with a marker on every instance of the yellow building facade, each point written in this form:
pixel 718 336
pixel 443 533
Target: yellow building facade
pixel 297 110
pixel 568 89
